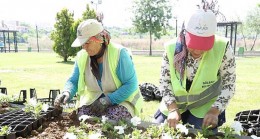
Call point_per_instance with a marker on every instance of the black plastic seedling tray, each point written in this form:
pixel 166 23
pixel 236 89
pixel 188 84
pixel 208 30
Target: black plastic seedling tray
pixel 22 124
pixel 250 120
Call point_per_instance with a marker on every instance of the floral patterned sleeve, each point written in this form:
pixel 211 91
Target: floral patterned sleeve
pixel 165 82
pixel 228 75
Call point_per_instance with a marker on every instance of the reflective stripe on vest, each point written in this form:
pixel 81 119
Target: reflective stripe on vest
pixel 208 94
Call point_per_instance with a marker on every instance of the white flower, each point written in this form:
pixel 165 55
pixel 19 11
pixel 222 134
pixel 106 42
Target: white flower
pixel 45 107
pixel 84 117
pixel 237 126
pixel 120 129
pixel 69 136
pixel 136 120
pixel 254 137
pixel 95 135
pixel 33 102
pixel 250 130
pixel 182 128
pixel 166 136
pixel 104 119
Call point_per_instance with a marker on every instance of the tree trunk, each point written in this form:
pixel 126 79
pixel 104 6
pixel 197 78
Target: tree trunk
pixel 244 38
pixel 150 43
pixel 253 45
pixel 65 59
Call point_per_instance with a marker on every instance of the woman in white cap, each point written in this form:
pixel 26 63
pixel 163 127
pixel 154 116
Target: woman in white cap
pixel 103 78
pixel 197 75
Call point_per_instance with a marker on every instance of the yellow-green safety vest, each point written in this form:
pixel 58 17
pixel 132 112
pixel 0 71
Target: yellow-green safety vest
pixel 206 85
pixel 88 88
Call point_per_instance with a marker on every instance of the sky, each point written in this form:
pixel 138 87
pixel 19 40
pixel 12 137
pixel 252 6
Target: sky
pixel 116 12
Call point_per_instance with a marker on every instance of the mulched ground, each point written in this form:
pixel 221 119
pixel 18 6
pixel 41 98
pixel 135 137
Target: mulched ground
pixel 54 128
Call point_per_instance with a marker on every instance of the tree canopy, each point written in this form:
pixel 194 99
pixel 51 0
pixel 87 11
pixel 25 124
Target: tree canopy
pixel 62 35
pixel 152 16
pixel 65 32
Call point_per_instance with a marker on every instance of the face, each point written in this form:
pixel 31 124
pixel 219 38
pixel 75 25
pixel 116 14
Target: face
pixel 92 47
pixel 195 53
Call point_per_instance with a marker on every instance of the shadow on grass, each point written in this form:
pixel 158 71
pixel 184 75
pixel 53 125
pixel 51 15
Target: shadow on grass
pixel 68 62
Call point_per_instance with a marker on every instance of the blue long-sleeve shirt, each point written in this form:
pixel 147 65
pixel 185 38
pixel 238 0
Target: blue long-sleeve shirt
pixel 125 72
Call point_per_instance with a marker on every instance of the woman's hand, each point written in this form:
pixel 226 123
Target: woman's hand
pixel 211 118
pixel 173 118
pixel 174 115
pixel 100 105
pixel 61 99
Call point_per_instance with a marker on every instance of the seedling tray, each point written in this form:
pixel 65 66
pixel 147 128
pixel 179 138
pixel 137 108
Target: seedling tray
pixel 250 120
pixel 22 124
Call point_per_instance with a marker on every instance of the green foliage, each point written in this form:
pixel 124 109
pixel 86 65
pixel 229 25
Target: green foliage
pixel 229 133
pixel 5 130
pixel 5 98
pixel 152 16
pixel 154 131
pixel 89 13
pixel 63 34
pixel 200 136
pixel 207 132
pixel 253 20
pixel 32 107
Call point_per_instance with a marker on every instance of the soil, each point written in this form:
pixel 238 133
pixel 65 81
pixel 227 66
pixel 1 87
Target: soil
pixel 4 107
pixel 55 128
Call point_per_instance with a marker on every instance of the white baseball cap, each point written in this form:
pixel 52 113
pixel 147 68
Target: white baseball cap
pixel 87 29
pixel 201 28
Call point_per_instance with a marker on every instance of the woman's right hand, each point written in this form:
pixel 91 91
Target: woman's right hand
pixel 173 118
pixel 61 99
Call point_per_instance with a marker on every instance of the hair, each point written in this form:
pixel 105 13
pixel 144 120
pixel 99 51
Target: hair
pixel 93 60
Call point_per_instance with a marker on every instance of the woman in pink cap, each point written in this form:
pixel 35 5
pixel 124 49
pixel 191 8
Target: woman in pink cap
pixel 197 76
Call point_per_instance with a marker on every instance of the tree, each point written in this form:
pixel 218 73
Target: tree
pixel 242 30
pixel 63 34
pixel 152 16
pixel 89 13
pixel 253 23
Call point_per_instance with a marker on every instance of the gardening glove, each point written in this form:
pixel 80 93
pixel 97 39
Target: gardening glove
pixel 211 118
pixel 61 99
pixel 100 105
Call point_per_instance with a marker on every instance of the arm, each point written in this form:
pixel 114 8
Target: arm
pixel 127 75
pixel 165 82
pixel 228 75
pixel 71 85
pixel 168 94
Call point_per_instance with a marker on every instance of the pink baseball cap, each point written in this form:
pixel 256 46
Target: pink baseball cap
pixel 200 30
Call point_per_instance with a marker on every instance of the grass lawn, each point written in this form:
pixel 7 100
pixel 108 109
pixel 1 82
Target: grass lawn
pixel 45 71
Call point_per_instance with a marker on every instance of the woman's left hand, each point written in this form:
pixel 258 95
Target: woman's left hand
pixel 100 105
pixel 211 118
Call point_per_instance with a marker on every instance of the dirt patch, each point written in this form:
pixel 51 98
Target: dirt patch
pixel 55 128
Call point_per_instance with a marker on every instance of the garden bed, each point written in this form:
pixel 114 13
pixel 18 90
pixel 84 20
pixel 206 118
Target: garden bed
pixel 57 127
pixel 53 124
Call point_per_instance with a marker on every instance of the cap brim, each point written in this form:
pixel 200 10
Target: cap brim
pixel 199 43
pixel 78 42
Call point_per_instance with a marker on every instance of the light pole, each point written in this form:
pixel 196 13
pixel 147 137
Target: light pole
pixel 37 38
pixel 96 2
pixel 99 14
pixel 176 26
